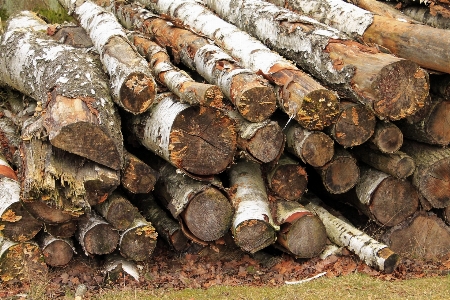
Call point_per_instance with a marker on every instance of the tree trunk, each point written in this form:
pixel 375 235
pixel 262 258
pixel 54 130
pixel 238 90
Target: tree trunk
pixel 390 86
pixel 132 85
pixel 138 241
pixel 70 87
pixel 341 173
pixel 301 232
pixel 287 179
pixel 355 125
pixel 251 94
pixel 387 137
pixel 253 227
pixel 57 252
pixel 398 164
pixel 136 176
pixel 372 252
pixel 118 211
pixel 299 95
pixel 62 230
pixel 198 140
pixel 431 176
pixel 16 224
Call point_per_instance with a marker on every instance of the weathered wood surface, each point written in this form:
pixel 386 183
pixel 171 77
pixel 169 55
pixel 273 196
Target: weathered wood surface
pixel 138 241
pixel 118 211
pixel 387 137
pixel 62 230
pixel 57 252
pixel 426 16
pixel 136 176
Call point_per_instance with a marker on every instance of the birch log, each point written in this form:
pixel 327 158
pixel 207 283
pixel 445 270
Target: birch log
pixel 387 137
pixel 198 140
pixel 133 87
pixel 299 95
pixel 402 38
pixel 382 8
pixel 57 252
pixel 372 252
pixel 253 227
pixel 251 94
pixel 137 176
pixel 390 86
pixel 138 241
pixel 70 87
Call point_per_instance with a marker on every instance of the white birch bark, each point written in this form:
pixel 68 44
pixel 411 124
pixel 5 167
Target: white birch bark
pixel 116 264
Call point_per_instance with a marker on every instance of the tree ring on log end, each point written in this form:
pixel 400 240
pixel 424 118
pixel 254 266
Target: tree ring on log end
pixel 435 183
pixel 391 259
pixel 318 149
pixel 57 253
pixel 267 143
pixel 438 123
pixel 254 235
pixel 289 181
pixel 341 175
pixel 307 237
pixel 137 93
pixel 101 239
pixel 138 243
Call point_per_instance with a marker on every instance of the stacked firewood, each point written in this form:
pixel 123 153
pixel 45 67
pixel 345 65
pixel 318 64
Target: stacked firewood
pixel 160 121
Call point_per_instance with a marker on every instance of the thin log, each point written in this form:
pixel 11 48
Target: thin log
pixel 62 230
pixel 431 176
pixel 57 252
pixel 118 211
pixel 372 252
pixel 136 176
pixel 253 227
pixel 299 95
pixel 198 140
pixel 70 87
pixel 387 137
pixel 355 125
pixel 287 179
pixel 301 232
pixel 133 87
pixel 138 241
pixel 390 86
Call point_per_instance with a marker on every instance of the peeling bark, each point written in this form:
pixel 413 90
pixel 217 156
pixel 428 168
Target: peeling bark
pixel 137 176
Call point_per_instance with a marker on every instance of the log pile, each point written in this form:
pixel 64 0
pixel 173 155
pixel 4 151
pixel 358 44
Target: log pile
pixel 163 129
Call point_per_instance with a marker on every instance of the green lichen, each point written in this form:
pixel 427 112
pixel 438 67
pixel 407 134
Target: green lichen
pixel 53 16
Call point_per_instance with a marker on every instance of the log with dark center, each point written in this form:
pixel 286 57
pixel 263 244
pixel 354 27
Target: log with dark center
pixel 57 252
pixel 136 176
pixel 387 137
pixel 138 241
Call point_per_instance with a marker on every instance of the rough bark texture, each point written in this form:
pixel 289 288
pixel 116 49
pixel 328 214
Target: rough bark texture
pixel 198 140
pixel 118 211
pixel 253 228
pixel 132 85
pixel 57 252
pixel 138 241
pixel 299 95
pixel 387 137
pixel 390 86
pixel 70 87
pixel 136 176
pixel 372 252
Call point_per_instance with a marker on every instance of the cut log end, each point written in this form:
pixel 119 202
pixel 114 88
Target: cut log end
pixel 137 93
pixel 101 239
pixel 405 167
pixel 391 259
pixel 254 235
pixel 257 102
pixel 16 224
pixel 46 213
pixel 63 230
pixel 387 138
pixel 437 126
pixel 340 175
pixel 402 88
pixel 57 253
pixel 204 94
pixel 435 184
pixel 267 143
pixel 318 149
pixel 289 181
pixel 138 243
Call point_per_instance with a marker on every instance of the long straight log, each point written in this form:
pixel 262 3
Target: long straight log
pixel 372 252
pixel 70 87
pixel 387 137
pixel 57 252
pixel 425 16
pixel 133 87
pixel 299 95
pixel 383 8
pixel 136 176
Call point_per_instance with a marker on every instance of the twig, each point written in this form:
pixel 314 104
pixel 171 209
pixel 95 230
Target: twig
pixel 306 280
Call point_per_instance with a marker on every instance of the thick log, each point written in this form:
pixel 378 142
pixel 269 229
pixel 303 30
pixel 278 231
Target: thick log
pixel 387 137
pixel 423 236
pixel 20 261
pixel 251 94
pixel 133 87
pixel 425 15
pixel 198 140
pixel 431 176
pixel 301 232
pixel 118 211
pixel 62 230
pixel 372 252
pixel 16 223
pixel 341 173
pixel 390 86
pixel 179 82
pixel 70 87
pixel 136 176
pixel 287 179
pixel 57 252
pixel 397 164
pixel 204 209
pixel 138 241
pixel 253 227
pixel 354 126
pixel 95 235
pixel 166 226
pixel 299 95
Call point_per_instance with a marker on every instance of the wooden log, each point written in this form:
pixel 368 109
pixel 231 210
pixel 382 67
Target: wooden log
pixel 341 173
pixel 397 164
pixel 251 94
pixel 253 227
pixel 70 87
pixel 138 241
pixel 198 140
pixel 444 214
pixel 62 230
pixel 382 8
pixel 299 95
pixel 423 236
pixel 133 87
pixel 301 232
pixel 118 211
pixel 203 208
pixel 70 34
pixel 16 224
pixel 95 235
pixel 372 252
pixel 433 128
pixel 424 15
pixel 390 86
pixel 354 126
pixel 137 176
pixel 387 137
pixel 440 85
pixel 20 261
pixel 287 179
pixel 166 226
pixel 57 252
pixel 431 176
